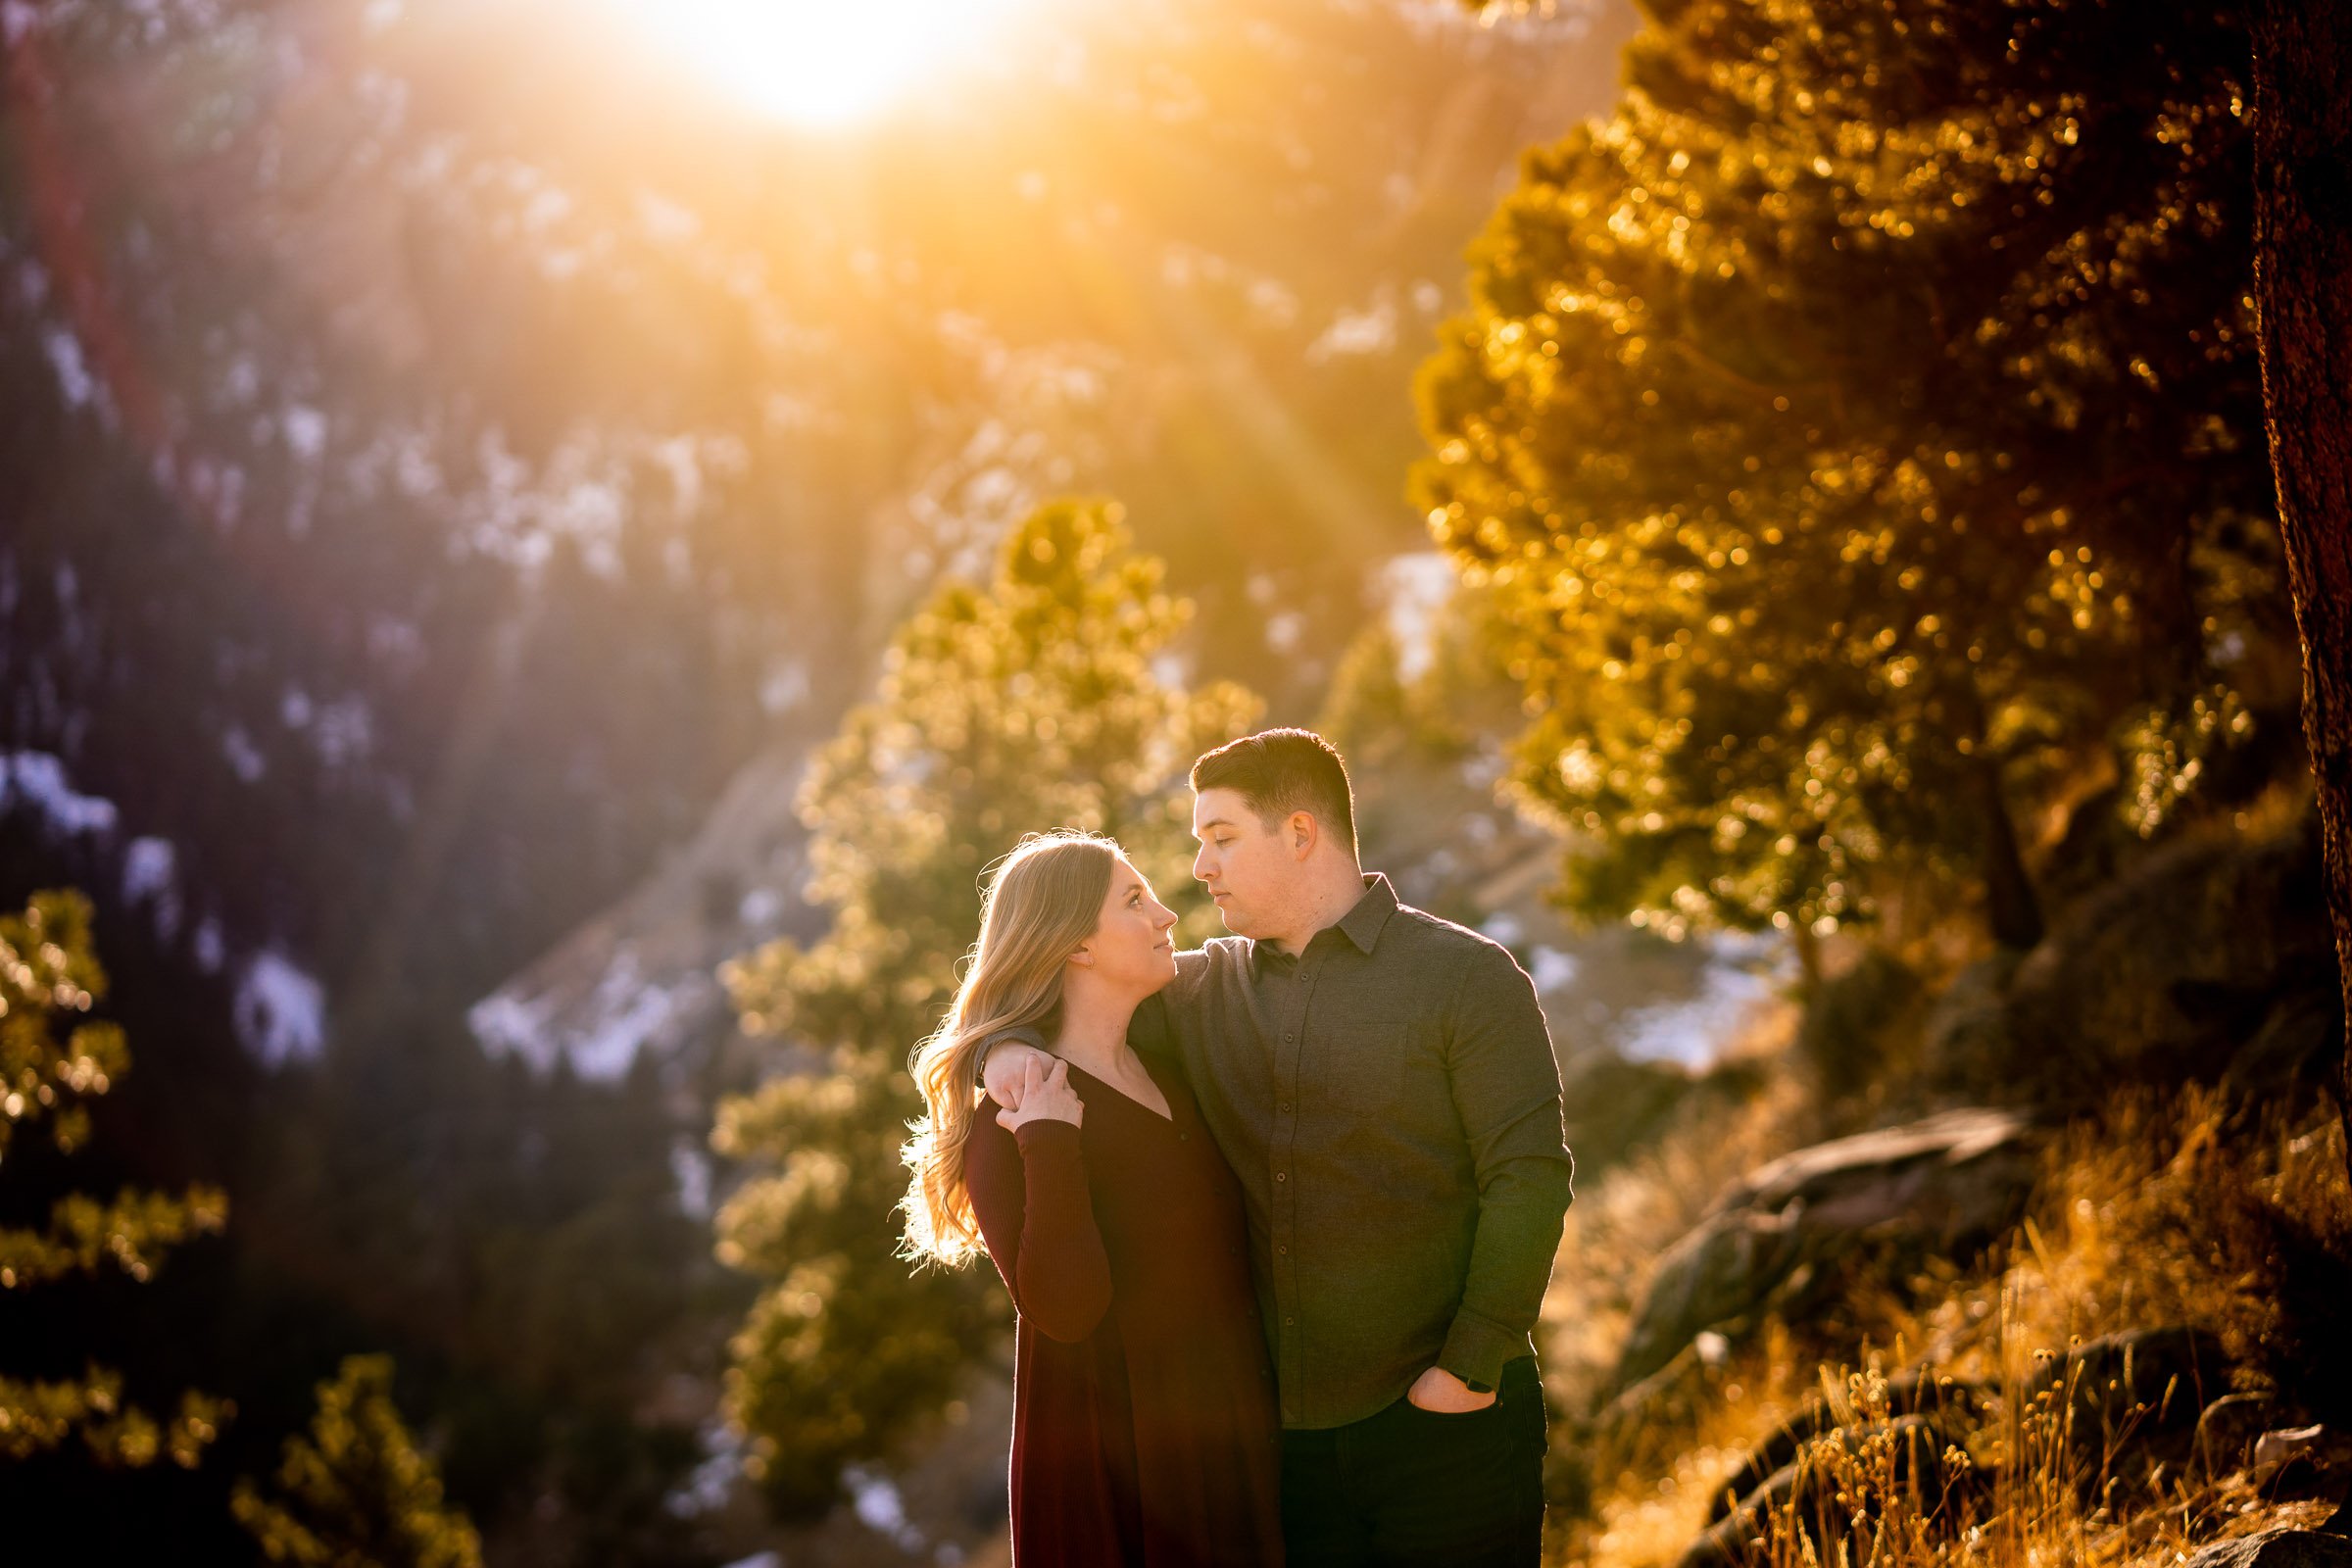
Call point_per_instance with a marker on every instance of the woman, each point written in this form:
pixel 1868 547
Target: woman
pixel 1143 1424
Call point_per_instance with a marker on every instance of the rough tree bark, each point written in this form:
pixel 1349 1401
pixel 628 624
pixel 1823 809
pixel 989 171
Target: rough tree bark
pixel 2303 301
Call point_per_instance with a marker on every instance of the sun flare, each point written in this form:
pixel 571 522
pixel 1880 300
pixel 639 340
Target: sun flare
pixel 815 63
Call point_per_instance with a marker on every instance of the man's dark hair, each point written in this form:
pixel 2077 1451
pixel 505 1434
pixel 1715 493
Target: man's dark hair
pixel 1277 771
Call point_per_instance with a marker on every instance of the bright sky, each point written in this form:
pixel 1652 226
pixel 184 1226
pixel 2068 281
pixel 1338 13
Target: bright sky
pixel 818 63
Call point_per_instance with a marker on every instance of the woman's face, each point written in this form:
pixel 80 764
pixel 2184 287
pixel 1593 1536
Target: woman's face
pixel 1131 946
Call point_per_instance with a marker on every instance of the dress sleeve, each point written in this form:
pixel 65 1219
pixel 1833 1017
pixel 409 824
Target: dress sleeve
pixel 1029 1194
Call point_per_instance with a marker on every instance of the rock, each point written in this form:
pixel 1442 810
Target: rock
pixel 1844 1029
pixel 2227 1430
pixel 2276 1548
pixel 2162 1377
pixel 2169 973
pixel 1614 1106
pixel 1967 1027
pixel 2300 1460
pixel 1949 1183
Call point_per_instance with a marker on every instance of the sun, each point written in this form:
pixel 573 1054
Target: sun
pixel 816 62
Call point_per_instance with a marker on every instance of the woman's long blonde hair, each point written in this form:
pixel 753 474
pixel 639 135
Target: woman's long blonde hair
pixel 1045 900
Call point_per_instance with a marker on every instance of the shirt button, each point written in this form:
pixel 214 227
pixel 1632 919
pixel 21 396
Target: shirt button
pixel 1288 1038
pixel 1281 1176
pixel 1286 1107
pixel 1184 1138
pixel 1289 1321
pixel 1284 1251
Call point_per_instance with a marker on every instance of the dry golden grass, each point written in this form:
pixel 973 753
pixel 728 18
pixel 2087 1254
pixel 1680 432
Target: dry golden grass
pixel 2161 1212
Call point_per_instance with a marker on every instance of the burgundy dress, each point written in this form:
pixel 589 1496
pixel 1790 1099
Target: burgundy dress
pixel 1145 1430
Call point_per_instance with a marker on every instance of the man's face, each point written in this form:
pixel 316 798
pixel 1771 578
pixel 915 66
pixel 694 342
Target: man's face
pixel 1247 868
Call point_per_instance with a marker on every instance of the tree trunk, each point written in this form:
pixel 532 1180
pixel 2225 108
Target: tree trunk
pixel 2011 907
pixel 2303 304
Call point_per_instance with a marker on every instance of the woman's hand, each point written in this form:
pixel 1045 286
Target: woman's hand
pixel 1045 1094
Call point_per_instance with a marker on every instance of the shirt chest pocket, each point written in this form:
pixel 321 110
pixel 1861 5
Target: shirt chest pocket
pixel 1365 1065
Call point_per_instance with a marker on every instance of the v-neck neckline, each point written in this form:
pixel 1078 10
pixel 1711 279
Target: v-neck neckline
pixel 1169 1118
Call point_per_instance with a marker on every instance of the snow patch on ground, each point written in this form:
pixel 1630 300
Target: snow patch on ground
pixel 1371 331
pixel 708 1485
pixel 244 759
pixel 1416 587
pixel 1743 972
pixel 211 946
pixel 879 1507
pixel 151 876
pixel 1553 970
pixel 689 1165
pixel 625 1015
pixel 36 782
pixel 75 383
pixel 280 1011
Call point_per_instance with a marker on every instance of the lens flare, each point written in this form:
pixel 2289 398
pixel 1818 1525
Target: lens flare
pixel 816 62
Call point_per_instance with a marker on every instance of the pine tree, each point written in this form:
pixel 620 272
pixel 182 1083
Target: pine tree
pixel 50 979
pixel 1862 431
pixel 356 1493
pixel 2303 230
pixel 1037 703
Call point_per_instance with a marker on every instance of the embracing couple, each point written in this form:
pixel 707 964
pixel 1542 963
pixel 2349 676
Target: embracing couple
pixel 1277 1215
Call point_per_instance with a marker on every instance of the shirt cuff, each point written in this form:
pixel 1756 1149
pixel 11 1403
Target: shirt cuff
pixel 1476 1349
pixel 1046 1135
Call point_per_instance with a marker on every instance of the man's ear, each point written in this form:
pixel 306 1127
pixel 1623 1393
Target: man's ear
pixel 1304 830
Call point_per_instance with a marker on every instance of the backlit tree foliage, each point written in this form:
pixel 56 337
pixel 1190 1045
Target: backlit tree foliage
pixel 1039 702
pixel 356 1493
pixel 53 1061
pixel 1862 432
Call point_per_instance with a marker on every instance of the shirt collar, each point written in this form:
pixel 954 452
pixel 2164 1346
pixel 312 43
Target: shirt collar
pixel 1361 924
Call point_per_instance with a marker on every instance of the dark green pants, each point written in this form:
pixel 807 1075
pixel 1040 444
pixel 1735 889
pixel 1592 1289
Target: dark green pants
pixel 1407 1488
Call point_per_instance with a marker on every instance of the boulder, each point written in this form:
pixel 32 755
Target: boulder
pixel 1844 1033
pixel 2163 1376
pixel 1949 1184
pixel 2227 1430
pixel 2209 959
pixel 2276 1548
pixel 2301 1461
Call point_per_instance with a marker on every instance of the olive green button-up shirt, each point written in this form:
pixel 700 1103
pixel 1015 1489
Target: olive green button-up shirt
pixel 1390 1102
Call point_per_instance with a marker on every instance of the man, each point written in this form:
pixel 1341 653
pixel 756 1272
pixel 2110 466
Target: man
pixel 1383 1085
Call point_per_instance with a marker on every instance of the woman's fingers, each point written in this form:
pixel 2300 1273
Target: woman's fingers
pixel 1010 1121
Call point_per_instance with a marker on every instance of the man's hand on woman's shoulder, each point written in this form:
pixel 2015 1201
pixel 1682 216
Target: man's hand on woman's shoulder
pixel 1043 1093
pixel 1005 1070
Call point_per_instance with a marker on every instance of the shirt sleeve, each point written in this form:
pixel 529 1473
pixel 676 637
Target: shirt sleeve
pixel 1151 1032
pixel 1507 1090
pixel 1029 1194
